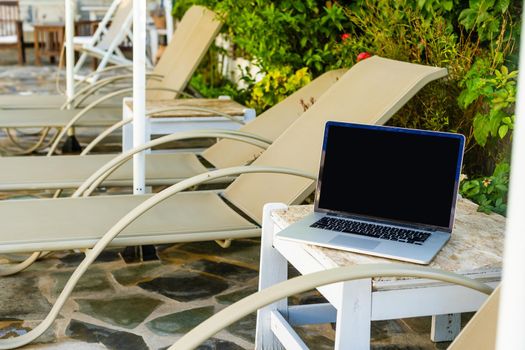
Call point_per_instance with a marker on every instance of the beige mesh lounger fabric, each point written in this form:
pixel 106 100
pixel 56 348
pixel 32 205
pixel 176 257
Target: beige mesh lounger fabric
pixel 162 169
pixel 480 331
pixel 42 224
pixel 189 44
pixel 174 216
pixel 32 118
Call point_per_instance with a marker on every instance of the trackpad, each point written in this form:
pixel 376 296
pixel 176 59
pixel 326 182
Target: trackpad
pixel 354 242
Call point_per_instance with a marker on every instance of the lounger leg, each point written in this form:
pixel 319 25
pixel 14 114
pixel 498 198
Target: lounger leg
pixel 139 254
pixel 273 269
pixel 445 327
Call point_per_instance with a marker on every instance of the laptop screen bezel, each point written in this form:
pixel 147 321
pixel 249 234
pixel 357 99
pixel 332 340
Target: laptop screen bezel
pixel 461 139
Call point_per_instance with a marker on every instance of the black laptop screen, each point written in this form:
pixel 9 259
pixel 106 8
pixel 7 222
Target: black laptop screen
pixel 390 173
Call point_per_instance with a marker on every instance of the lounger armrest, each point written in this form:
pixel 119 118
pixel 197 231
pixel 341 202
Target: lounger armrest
pixel 86 79
pixel 308 282
pixel 92 105
pixel 103 172
pixel 151 114
pixel 89 90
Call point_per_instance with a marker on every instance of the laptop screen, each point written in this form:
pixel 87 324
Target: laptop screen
pixel 390 174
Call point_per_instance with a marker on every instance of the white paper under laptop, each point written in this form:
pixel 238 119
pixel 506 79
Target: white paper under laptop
pixel 384 191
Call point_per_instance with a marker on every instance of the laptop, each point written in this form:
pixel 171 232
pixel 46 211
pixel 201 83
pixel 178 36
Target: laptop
pixel 384 191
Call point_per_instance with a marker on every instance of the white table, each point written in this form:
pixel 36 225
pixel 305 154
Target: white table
pixel 184 120
pixel 475 250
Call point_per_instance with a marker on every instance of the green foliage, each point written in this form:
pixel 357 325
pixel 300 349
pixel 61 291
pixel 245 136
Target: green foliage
pixel 221 87
pixel 295 33
pixel 276 85
pixel 489 192
pixel 495 91
pixel 476 40
pixel 484 16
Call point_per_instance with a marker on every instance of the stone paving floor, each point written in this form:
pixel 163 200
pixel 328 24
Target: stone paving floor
pixel 148 305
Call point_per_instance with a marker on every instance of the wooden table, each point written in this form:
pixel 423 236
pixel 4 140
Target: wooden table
pixel 48 41
pixel 475 250
pixel 187 119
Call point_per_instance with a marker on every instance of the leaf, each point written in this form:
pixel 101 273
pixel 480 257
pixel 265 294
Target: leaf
pixel 481 129
pixel 502 131
pixel 502 168
pixel 303 41
pixel 502 188
pixel 502 5
pixel 494 121
pixel 466 98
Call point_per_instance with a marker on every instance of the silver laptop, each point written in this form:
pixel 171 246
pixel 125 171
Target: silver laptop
pixel 384 191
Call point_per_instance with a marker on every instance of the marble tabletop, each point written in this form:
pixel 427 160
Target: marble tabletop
pixel 226 106
pixel 476 244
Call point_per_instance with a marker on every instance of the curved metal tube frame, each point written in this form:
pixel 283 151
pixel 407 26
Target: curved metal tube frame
pixel 92 105
pixel 124 222
pixel 86 90
pixel 43 133
pixel 89 90
pixel 308 282
pixel 150 114
pixel 40 143
pixel 111 80
pixel 103 172
pixel 86 78
pixel 12 269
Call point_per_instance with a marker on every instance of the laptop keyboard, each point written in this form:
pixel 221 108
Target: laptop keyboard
pixel 372 230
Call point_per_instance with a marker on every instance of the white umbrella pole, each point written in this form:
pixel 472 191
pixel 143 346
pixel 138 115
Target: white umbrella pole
pixel 139 93
pixel 70 51
pixel 169 19
pixel 511 321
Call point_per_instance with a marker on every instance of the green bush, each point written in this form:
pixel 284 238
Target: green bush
pixel 489 192
pixel 475 40
pixel 294 33
pixel 275 86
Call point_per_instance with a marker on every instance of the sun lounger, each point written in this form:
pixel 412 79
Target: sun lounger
pixel 172 73
pixel 287 172
pixel 60 172
pixel 297 148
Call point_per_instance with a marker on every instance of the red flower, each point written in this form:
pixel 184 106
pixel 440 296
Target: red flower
pixel 345 36
pixel 363 56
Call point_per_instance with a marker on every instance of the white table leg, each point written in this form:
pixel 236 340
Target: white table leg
pixel 445 327
pixel 354 315
pixel 273 269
